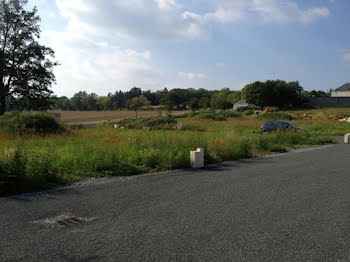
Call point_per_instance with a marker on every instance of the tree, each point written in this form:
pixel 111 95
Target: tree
pixel 315 93
pixel 204 102
pixel 77 101
pixel 25 65
pixel 104 103
pixel 170 100
pixel 194 104
pixel 221 100
pixel 137 102
pixel 274 93
pixel 62 103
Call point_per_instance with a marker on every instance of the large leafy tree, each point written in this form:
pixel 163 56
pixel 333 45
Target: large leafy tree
pixel 25 66
pixel 137 102
pixel 274 93
pixel 221 100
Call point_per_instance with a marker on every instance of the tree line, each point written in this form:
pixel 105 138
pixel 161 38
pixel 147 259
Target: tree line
pixel 270 93
pixel 135 98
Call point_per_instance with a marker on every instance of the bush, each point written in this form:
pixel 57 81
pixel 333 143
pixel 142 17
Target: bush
pixel 28 123
pixel 12 168
pixel 274 116
pixel 153 123
pixel 218 116
pixel 210 115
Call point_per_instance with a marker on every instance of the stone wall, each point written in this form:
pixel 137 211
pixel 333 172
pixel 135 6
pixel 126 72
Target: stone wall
pixel 330 101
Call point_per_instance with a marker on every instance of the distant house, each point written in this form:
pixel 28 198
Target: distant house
pixel 241 103
pixel 343 91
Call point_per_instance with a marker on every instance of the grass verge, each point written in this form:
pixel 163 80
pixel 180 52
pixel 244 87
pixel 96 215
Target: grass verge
pixel 40 162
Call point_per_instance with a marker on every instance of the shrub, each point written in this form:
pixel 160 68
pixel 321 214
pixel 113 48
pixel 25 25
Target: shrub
pixel 153 123
pixel 219 116
pixel 274 116
pixel 28 123
pixel 12 168
pixel 210 115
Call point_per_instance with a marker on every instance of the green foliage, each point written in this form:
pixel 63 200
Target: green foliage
pixel 218 116
pixel 315 93
pixel 12 164
pixel 194 104
pixel 44 162
pixel 235 96
pixel 274 116
pixel 221 100
pixel 26 67
pixel 153 123
pixel 137 102
pixel 274 93
pixel 16 123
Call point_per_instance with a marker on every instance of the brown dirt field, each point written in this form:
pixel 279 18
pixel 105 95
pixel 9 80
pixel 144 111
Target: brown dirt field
pixel 92 117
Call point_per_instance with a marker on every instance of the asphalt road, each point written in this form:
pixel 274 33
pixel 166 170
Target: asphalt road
pixel 290 207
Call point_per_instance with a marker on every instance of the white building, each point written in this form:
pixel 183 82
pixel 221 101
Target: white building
pixel 241 103
pixel 343 91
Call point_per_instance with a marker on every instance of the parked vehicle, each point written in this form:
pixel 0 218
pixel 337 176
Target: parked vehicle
pixel 275 125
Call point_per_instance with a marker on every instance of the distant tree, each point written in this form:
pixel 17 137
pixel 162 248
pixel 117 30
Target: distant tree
pixel 26 67
pixel 104 103
pixel 221 100
pixel 160 94
pixel 77 101
pixel 137 102
pixel 179 97
pixel 235 96
pixel 194 104
pixel 62 103
pixel 274 93
pixel 204 102
pixel 169 101
pixel 315 93
pixel 151 96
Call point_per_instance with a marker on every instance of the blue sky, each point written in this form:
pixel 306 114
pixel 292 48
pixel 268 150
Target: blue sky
pixel 110 45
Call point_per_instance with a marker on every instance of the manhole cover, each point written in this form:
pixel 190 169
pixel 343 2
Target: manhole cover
pixel 64 220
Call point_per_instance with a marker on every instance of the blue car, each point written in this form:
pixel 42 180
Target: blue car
pixel 275 125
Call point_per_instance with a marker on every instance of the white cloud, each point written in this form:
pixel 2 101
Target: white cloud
pixel 347 57
pixel 98 66
pixel 167 4
pixel 191 76
pixel 220 64
pixel 278 11
pixel 152 19
pixel 287 11
pixel 167 19
pixel 224 15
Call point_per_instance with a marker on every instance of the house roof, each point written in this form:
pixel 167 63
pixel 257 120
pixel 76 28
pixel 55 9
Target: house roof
pixel 241 102
pixel 344 88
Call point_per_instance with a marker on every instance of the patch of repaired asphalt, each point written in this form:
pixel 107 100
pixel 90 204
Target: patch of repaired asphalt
pixel 65 219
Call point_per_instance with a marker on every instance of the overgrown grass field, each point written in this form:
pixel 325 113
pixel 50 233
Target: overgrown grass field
pixel 35 161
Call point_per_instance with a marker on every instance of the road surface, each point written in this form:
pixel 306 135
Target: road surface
pixel 289 207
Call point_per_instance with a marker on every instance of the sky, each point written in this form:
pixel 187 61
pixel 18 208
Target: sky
pixel 108 45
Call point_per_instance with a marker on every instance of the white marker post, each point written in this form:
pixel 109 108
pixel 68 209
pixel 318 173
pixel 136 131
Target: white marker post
pixel 197 158
pixel 347 139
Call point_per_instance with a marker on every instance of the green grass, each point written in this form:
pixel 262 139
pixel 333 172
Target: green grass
pixel 36 161
pixel 210 115
pixel 274 116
